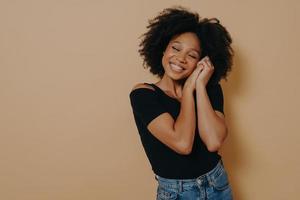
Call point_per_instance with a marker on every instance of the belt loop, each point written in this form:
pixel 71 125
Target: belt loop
pixel 209 180
pixel 199 181
pixel 180 184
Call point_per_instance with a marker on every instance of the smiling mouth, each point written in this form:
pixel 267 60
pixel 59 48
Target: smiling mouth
pixel 176 68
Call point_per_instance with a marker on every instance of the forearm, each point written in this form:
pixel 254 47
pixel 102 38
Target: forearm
pixel 185 124
pixel 212 128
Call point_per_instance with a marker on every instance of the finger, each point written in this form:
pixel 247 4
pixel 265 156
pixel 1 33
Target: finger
pixel 200 63
pixel 198 69
pixel 209 62
pixel 204 58
pixel 205 65
pixel 201 67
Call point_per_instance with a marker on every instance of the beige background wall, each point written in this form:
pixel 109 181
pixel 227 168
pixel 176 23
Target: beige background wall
pixel 66 127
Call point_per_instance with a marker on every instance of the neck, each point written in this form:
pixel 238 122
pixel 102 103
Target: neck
pixel 173 87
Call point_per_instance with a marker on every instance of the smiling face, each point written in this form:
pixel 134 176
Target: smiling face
pixel 181 56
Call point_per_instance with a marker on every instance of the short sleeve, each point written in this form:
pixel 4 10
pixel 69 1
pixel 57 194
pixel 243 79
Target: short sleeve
pixel 216 98
pixel 145 104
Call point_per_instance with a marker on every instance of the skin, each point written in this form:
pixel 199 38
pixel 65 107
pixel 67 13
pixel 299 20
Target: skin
pixel 184 50
pixel 211 123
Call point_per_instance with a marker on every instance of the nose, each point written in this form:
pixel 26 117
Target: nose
pixel 181 58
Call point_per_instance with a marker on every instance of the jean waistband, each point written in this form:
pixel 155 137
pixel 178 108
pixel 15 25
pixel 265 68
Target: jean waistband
pixel 201 180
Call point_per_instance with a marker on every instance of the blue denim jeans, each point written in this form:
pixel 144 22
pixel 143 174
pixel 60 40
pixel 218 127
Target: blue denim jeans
pixel 213 185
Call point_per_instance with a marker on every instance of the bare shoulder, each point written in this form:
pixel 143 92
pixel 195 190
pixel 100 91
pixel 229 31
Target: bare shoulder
pixel 142 85
pixel 221 115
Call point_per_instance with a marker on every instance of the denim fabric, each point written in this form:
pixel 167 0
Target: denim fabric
pixel 213 185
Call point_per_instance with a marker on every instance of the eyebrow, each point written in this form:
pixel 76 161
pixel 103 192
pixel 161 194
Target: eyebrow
pixel 191 48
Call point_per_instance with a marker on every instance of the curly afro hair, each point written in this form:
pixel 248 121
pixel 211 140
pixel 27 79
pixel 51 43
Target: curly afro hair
pixel 214 38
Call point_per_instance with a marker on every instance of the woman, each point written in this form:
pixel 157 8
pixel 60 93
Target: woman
pixel 180 118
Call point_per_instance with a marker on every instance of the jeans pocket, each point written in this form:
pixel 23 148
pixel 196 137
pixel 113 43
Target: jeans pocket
pixel 165 193
pixel 220 182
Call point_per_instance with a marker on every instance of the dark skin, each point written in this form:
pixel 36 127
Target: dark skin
pixel 185 51
pixel 185 73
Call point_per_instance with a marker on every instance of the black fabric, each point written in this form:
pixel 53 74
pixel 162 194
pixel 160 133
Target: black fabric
pixel 215 95
pixel 147 104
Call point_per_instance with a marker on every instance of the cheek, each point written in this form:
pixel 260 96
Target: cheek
pixel 166 57
pixel 193 63
pixel 165 60
pixel 192 66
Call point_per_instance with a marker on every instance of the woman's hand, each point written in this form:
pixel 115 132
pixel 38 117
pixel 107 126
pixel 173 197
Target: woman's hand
pixel 190 82
pixel 206 73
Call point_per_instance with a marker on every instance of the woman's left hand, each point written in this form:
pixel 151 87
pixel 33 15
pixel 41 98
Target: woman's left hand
pixel 207 71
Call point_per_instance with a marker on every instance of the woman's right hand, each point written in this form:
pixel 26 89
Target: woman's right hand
pixel 190 82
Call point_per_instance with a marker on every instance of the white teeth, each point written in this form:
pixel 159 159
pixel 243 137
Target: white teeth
pixel 176 67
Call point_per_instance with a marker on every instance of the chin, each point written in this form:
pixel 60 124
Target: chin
pixel 177 77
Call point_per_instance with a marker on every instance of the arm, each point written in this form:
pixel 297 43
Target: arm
pixel 179 134
pixel 211 124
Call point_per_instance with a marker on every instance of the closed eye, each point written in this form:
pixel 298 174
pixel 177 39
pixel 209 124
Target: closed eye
pixel 175 48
